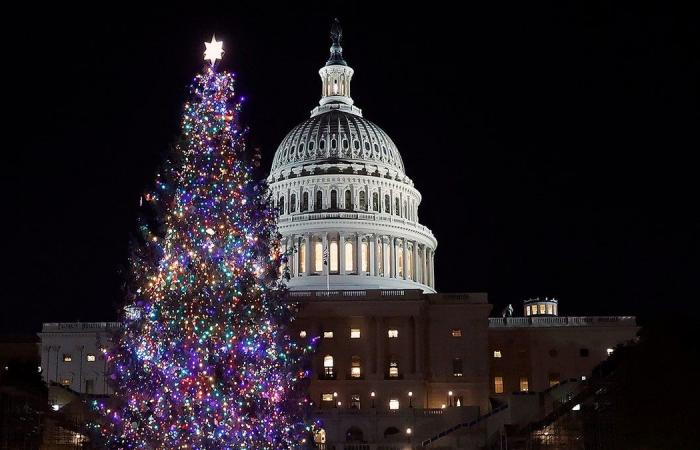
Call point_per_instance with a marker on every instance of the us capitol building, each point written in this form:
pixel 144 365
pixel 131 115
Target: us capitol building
pixel 399 366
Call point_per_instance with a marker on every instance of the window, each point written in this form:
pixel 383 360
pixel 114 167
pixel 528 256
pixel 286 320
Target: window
pixel 318 256
pixel 349 257
pixel 456 332
pixel 393 333
pixel 527 310
pixel 363 201
pixel 393 404
pixel 364 256
pixel 355 401
pixel 553 353
pixel 348 199
pixel 292 203
pixel 327 335
pixel 498 385
pixel 334 199
pixel 457 367
pixel 387 204
pixel 90 357
pixel 355 367
pixel 549 309
pixel 541 308
pixel 375 202
pixel 497 354
pixel 328 368
pixel 393 369
pixel 281 205
pixel 334 257
pixel 609 351
pixel 583 352
pixel 305 201
pixel 553 379
pixel 318 204
pixel 397 207
pixel 66 381
pixel 67 357
pixel 409 264
pixel 302 334
pixel 524 385
pixel 327 397
pixel 89 386
pixel 354 333
pixel 302 257
pixel 399 260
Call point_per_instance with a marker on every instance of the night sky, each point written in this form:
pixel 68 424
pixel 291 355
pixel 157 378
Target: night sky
pixel 553 146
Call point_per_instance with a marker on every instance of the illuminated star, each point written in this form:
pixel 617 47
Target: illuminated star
pixel 214 50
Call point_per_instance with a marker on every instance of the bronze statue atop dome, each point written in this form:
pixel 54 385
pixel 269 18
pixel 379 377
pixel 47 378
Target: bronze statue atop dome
pixel 336 57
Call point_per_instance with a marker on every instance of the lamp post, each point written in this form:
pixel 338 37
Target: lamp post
pixel 410 400
pixel 372 395
pixel 449 398
pixel 335 396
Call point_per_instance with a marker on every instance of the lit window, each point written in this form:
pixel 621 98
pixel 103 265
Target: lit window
pixel 409 264
pixel 355 369
pixel 393 404
pixel 302 257
pixel 576 407
pixel 524 385
pixel 393 369
pixel 328 397
pixel 349 257
pixel 334 256
pixel 67 357
pixel 355 401
pixel 541 309
pixel 527 310
pixel 318 256
pixel 302 334
pixel 498 385
pixel 91 357
pixel 398 249
pixel 610 351
pixel 497 354
pixel 456 332
pixel 549 309
pixel 65 382
pixel 328 369
pixel 457 367
pixel 355 333
pixel 393 333
pixel 365 256
pixel 328 335
pixel 553 379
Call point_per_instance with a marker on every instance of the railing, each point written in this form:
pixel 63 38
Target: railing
pixel 373 217
pixel 79 326
pixel 358 293
pixel 577 321
pixel 470 424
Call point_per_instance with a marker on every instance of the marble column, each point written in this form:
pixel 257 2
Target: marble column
pixel 341 252
pixel 307 263
pixel 405 259
pixel 414 262
pixel 326 266
pixel 372 254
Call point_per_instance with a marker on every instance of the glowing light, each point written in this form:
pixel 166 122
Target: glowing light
pixel 214 50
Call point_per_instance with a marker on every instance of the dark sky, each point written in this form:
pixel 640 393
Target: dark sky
pixel 553 146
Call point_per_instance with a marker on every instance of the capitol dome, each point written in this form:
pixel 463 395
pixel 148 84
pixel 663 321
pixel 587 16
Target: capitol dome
pixel 348 211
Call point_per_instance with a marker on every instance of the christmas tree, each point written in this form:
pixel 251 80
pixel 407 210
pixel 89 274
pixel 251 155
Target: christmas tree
pixel 204 360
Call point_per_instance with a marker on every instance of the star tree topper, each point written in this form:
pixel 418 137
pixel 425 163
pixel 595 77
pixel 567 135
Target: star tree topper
pixel 214 50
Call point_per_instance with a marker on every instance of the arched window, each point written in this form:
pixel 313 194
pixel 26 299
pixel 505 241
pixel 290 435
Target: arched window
pixel 349 257
pixel 363 201
pixel 398 250
pixel 305 201
pixel 328 367
pixel 281 205
pixel 333 263
pixel 354 434
pixel 318 204
pixel 397 207
pixel 348 200
pixel 375 202
pixel 292 203
pixel 334 199
pixel 364 256
pixel 387 204
pixel 318 256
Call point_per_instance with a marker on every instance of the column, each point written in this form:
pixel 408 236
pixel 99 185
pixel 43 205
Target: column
pixel 358 253
pixel 414 262
pixel 424 265
pixel 405 259
pixel 307 263
pixel 341 252
pixel 432 269
pixel 392 258
pixel 372 255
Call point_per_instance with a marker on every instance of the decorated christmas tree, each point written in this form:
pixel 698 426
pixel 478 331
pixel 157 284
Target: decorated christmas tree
pixel 205 360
